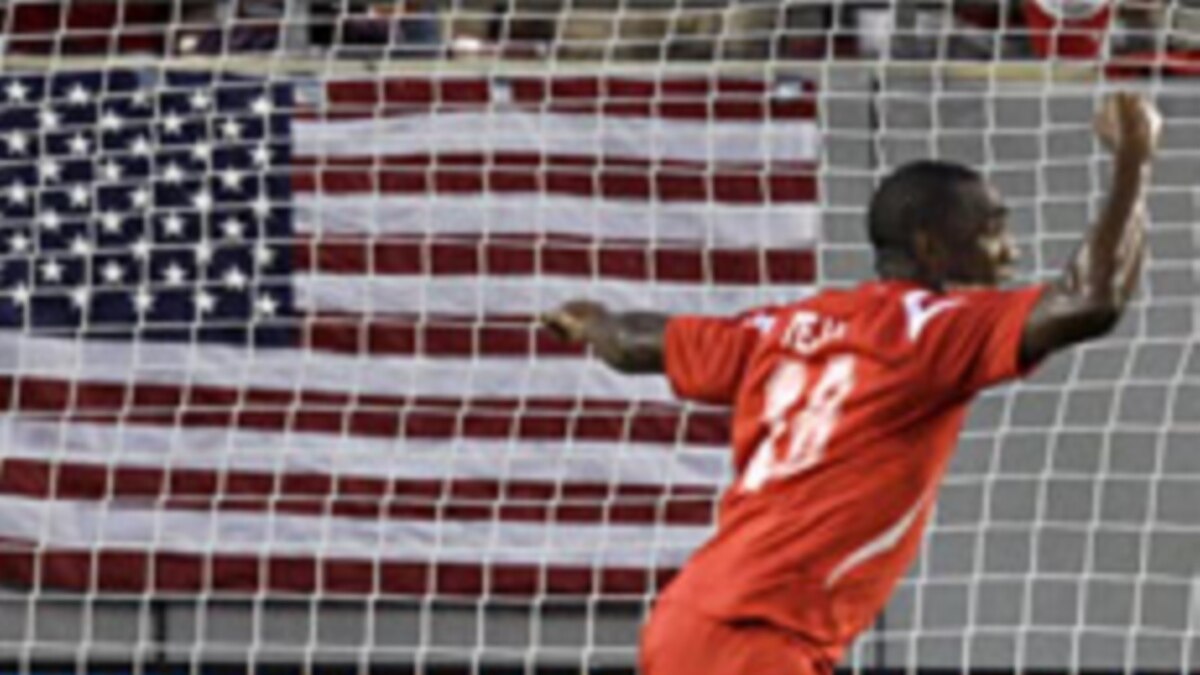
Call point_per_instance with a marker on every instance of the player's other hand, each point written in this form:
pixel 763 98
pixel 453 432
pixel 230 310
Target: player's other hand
pixel 1129 125
pixel 570 321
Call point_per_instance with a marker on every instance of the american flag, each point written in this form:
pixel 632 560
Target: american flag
pixel 278 334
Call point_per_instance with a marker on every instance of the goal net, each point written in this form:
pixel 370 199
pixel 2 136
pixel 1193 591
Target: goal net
pixel 274 390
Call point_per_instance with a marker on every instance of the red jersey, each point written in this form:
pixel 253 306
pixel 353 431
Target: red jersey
pixel 846 409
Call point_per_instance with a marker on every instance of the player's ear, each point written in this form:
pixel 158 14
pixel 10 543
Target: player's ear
pixel 931 255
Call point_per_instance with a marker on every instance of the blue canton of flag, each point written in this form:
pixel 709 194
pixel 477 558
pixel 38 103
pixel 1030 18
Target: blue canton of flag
pixel 156 210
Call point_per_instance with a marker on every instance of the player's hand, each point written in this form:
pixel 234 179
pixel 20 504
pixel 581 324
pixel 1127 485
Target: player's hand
pixel 1129 125
pixel 570 321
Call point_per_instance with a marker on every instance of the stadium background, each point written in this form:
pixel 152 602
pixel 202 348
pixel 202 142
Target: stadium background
pixel 1065 536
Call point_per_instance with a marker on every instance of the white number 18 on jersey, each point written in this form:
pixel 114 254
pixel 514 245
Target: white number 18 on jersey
pixel 794 444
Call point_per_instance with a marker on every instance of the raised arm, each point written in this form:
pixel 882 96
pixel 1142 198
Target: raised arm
pixel 1090 295
pixel 631 342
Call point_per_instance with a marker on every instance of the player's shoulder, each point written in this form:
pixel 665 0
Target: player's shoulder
pixel 894 316
pixel 889 319
pixel 867 302
pixel 915 310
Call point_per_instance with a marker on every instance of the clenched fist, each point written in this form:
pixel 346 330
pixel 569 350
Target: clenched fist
pixel 1129 124
pixel 569 322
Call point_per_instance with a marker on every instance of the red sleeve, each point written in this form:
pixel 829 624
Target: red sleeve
pixel 705 357
pixel 977 344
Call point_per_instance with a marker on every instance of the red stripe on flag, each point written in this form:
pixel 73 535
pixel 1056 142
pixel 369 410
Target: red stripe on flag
pixel 362 415
pixel 579 176
pixel 312 494
pixel 680 98
pixel 499 255
pixel 444 337
pixel 145 571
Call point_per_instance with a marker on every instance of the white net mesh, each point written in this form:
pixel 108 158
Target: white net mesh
pixel 274 392
pixel 1052 545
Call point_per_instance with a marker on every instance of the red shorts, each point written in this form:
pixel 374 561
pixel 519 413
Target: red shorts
pixel 680 641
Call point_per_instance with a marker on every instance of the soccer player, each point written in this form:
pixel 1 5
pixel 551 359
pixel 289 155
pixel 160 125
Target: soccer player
pixel 847 405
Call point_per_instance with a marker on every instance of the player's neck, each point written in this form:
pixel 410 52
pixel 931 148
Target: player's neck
pixel 905 270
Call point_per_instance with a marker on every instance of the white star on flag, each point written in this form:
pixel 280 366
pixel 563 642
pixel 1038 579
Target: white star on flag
pixel 261 156
pixel 49 220
pixel 200 100
pixel 17 92
pixel 266 305
pixel 111 170
pixel 111 121
pixel 261 206
pixel 52 271
pixel 262 106
pixel 17 193
pixel 112 272
pixel 141 98
pixel 18 243
pixel 79 145
pixel 143 300
pixel 233 228
pixel 202 151
pixel 172 124
pixel 231 178
pixel 141 248
pixel 49 169
pixel 140 198
pixel 110 221
pixel 173 225
pixel 80 296
pixel 231 129
pixel 20 294
pixel 202 201
pixel 18 142
pixel 203 251
pixel 174 275
pixel 263 255
pixel 78 95
pixel 140 146
pixel 205 302
pixel 234 279
pixel 80 245
pixel 172 174
pixel 79 195
pixel 48 119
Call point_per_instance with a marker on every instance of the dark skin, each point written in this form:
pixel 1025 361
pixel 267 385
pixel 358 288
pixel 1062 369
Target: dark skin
pixel 1085 302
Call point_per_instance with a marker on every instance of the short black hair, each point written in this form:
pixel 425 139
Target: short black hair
pixel 925 194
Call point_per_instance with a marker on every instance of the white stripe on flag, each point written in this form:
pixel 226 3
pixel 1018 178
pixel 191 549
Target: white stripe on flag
pixel 211 449
pixel 292 371
pixel 80 525
pixel 714 225
pixel 502 130
pixel 523 295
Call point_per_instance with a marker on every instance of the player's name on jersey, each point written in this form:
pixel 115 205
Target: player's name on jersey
pixel 807 332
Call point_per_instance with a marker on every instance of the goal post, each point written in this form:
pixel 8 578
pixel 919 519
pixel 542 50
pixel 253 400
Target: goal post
pixel 274 392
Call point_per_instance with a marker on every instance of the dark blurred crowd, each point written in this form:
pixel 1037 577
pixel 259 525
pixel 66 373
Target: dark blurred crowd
pixel 220 26
pixel 613 29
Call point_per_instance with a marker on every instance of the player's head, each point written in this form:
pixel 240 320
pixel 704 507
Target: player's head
pixel 940 223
